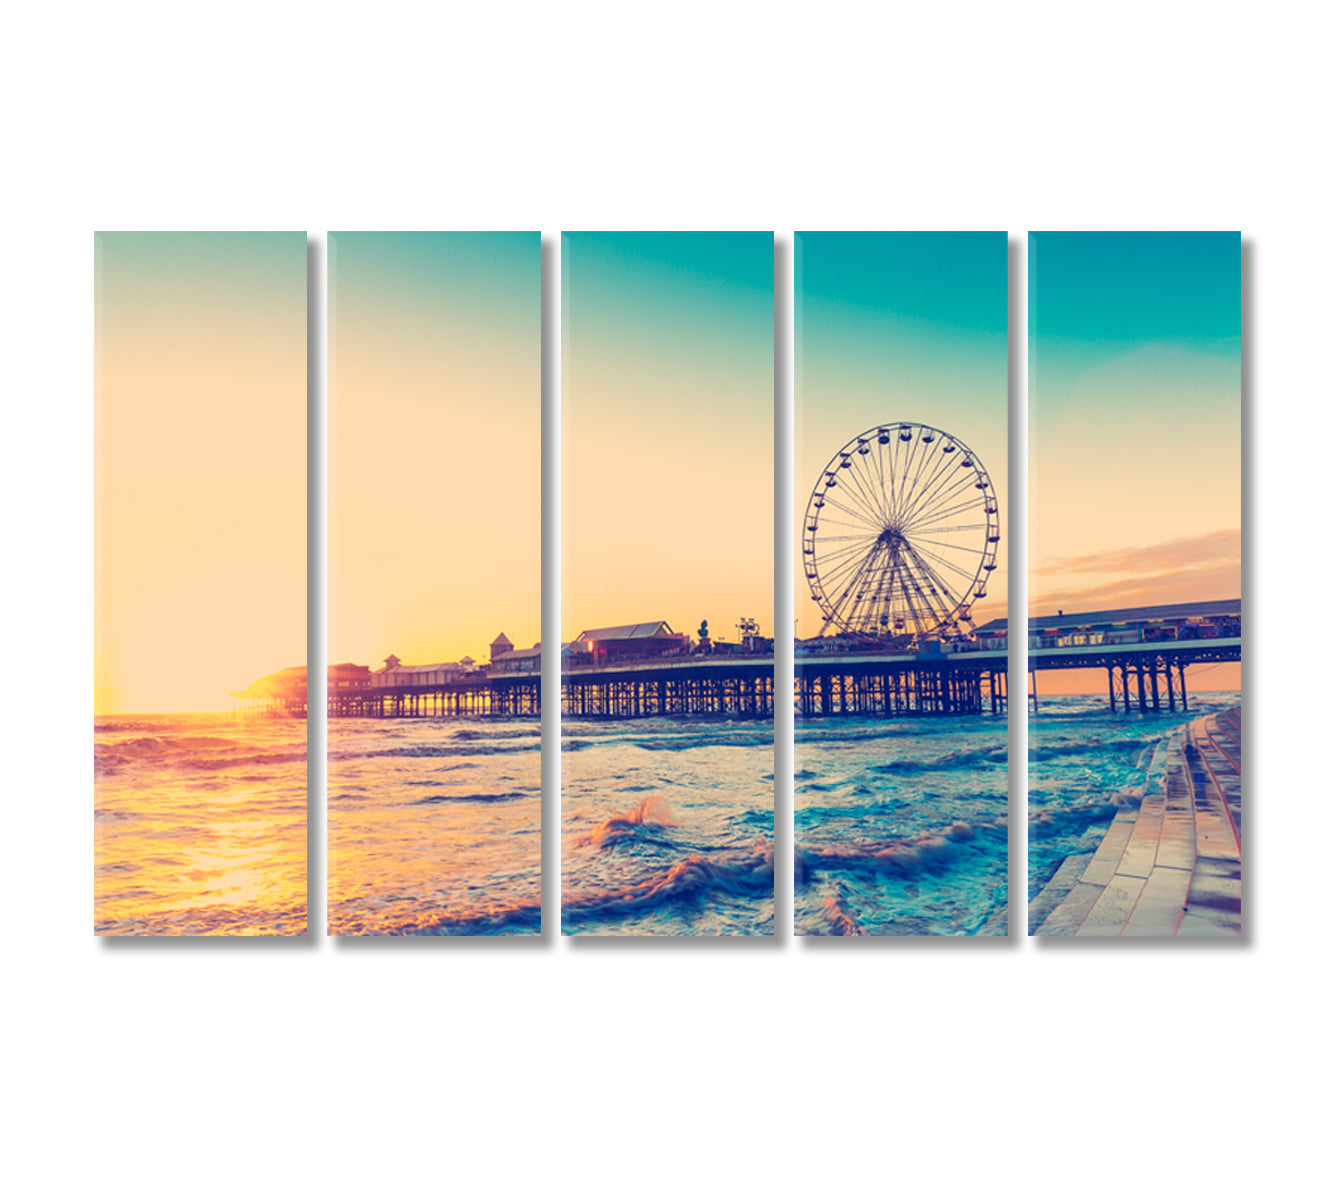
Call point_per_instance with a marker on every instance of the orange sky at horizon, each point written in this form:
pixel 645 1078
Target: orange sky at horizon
pixel 200 400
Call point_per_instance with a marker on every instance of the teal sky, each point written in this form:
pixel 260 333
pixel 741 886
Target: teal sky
pixel 900 327
pixel 162 272
pixel 1135 287
pixel 407 284
pixel 667 414
pixel 1134 419
pixel 1094 297
pixel 679 305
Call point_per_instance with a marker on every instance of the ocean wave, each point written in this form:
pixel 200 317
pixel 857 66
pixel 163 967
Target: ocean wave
pixel 1076 746
pixel 748 738
pixel 183 755
pixel 215 921
pixel 692 877
pixel 435 750
pixel 951 760
pixel 520 916
pixel 473 798
pixel 836 812
pixel 650 811
pixel 837 918
pixel 1074 819
pixel 494 733
pixel 899 856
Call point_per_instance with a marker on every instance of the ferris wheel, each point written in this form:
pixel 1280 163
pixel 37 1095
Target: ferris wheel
pixel 900 534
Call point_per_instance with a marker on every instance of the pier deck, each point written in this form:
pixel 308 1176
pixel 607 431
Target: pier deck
pixel 1174 867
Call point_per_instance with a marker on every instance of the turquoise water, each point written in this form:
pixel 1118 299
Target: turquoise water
pixel 667 827
pixel 901 826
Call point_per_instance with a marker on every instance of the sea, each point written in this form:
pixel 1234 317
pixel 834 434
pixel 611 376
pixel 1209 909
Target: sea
pixel 199 825
pixel 667 827
pixel 435 826
pixel 902 825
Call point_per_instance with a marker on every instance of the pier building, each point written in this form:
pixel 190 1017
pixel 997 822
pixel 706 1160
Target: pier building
pixel 1144 651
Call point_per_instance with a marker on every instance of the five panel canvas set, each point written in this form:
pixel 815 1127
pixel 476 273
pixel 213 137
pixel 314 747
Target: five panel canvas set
pixel 670 665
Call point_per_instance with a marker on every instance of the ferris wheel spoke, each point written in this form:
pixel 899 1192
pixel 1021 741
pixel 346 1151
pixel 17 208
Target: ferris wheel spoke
pixel 835 576
pixel 914 481
pixel 840 606
pixel 960 546
pixel 846 537
pixel 871 472
pixel 861 518
pixel 920 606
pixel 945 564
pixel 906 476
pixel 846 576
pixel 864 495
pixel 953 490
pixel 937 579
pixel 834 573
pixel 920 534
pixel 944 514
pixel 945 491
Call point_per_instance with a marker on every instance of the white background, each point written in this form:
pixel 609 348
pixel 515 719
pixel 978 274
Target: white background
pixel 477 1069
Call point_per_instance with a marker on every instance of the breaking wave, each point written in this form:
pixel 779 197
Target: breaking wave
pixel 898 856
pixel 652 811
pixel 691 878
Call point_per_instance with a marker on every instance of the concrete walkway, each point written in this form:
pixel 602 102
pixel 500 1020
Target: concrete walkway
pixel 1174 867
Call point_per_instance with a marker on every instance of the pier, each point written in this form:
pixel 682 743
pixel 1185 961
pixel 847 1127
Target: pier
pixel 928 683
pixel 635 671
pixel 725 686
pixel 1144 651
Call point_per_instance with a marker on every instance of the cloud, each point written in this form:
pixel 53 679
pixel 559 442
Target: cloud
pixel 1216 582
pixel 1206 550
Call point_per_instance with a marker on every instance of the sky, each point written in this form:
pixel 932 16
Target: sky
pixel 435 433
pixel 667 409
pixel 1134 422
pixel 897 327
pixel 200 400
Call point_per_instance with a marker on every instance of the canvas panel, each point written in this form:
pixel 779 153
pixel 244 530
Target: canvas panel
pixel 667 574
pixel 900 797
pixel 200 687
pixel 1134 638
pixel 435 560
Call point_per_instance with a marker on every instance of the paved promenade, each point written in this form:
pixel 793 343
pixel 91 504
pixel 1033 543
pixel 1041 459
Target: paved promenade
pixel 1172 868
